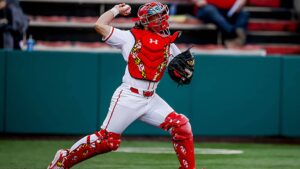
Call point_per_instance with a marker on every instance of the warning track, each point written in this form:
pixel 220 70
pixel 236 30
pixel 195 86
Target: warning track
pixel 165 150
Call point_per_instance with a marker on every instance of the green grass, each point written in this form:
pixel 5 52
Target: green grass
pixel 36 154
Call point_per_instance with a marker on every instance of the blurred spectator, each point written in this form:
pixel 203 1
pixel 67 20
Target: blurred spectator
pixel 228 16
pixel 13 24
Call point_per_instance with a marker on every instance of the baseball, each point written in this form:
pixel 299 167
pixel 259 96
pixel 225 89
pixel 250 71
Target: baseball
pixel 127 12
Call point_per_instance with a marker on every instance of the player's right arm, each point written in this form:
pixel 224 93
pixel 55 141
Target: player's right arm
pixel 102 25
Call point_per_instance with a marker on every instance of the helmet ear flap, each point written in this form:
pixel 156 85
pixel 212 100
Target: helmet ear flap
pixel 143 20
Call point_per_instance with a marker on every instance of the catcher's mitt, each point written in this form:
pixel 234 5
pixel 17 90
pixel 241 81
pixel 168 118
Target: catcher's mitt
pixel 181 67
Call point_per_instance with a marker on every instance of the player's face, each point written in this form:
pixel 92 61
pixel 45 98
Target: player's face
pixel 159 22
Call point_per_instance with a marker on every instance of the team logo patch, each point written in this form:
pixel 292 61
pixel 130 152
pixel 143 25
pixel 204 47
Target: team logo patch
pixel 191 62
pixel 185 163
pixel 85 152
pixel 59 164
pixel 155 41
pixel 182 149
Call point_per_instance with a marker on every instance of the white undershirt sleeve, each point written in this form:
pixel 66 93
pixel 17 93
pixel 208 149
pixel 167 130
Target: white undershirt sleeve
pixel 174 51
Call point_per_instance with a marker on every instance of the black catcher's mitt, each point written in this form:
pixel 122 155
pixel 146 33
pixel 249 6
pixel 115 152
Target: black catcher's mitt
pixel 181 68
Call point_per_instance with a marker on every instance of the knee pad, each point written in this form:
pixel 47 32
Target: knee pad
pixel 110 139
pixel 182 137
pixel 178 125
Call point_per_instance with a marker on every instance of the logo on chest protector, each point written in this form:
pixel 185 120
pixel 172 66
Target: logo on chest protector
pixel 153 41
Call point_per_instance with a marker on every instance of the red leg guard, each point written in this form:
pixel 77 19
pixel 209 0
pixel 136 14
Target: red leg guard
pixel 182 137
pixel 105 142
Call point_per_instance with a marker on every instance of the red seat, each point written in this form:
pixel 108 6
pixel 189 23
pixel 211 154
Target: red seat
pixel 282 49
pixel 51 18
pixel 265 3
pixel 54 44
pixel 84 19
pixel 91 44
pixel 273 25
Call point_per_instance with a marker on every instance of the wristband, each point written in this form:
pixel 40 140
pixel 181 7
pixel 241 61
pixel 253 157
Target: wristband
pixel 115 11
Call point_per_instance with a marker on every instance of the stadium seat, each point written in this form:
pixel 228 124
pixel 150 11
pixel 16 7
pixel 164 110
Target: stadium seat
pixel 264 3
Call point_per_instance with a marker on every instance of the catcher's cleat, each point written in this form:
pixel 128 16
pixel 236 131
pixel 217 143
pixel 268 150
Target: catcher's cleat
pixel 57 162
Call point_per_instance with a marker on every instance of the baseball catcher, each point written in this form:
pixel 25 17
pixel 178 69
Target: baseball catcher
pixel 147 49
pixel 181 68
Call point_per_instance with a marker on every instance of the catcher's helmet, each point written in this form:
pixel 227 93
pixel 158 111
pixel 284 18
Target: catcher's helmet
pixel 155 15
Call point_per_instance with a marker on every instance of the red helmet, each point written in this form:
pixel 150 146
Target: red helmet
pixel 155 16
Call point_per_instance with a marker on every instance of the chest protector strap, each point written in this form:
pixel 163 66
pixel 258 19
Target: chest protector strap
pixel 149 56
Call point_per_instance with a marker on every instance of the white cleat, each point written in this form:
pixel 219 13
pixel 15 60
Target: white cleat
pixel 58 158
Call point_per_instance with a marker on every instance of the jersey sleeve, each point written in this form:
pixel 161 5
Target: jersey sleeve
pixel 117 38
pixel 174 51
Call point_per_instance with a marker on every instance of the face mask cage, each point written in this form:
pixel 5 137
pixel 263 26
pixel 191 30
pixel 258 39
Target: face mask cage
pixel 155 16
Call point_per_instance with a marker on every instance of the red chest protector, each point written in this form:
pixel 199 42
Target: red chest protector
pixel 149 56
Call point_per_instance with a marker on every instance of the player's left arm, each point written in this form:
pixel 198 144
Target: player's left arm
pixel 181 66
pixel 102 26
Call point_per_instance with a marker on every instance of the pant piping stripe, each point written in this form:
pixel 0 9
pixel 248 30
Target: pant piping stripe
pixel 113 109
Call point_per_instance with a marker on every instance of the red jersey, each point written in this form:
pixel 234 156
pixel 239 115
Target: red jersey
pixel 149 56
pixel 222 4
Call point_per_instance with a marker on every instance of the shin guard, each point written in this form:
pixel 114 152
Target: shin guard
pixel 98 143
pixel 182 138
